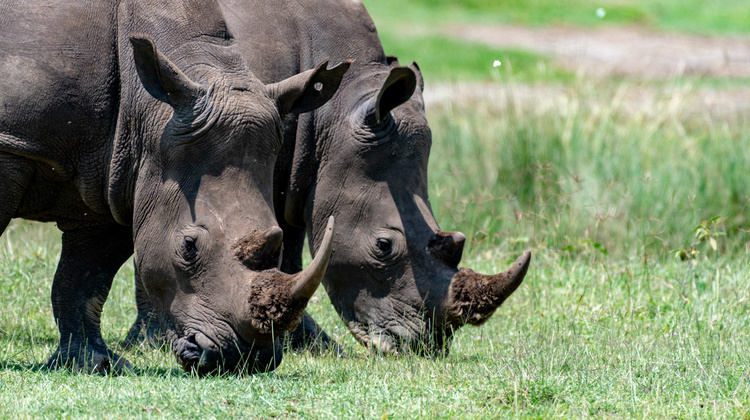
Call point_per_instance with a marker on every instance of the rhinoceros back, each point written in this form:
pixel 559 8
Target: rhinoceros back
pixel 280 38
pixel 59 74
pixel 58 98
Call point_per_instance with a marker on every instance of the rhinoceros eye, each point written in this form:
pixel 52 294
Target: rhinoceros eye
pixel 190 248
pixel 384 246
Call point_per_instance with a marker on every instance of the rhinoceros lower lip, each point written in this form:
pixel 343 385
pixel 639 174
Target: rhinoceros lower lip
pixel 396 340
pixel 379 341
pixel 198 353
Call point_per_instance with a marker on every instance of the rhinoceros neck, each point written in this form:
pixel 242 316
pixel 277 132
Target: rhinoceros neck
pixel 341 30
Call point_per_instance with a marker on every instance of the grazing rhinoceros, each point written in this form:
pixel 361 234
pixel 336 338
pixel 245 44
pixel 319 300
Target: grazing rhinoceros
pixel 393 275
pixel 168 153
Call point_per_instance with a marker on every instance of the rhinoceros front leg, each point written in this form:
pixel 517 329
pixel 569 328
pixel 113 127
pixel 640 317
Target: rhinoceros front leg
pixel 311 337
pixel 89 260
pixel 146 328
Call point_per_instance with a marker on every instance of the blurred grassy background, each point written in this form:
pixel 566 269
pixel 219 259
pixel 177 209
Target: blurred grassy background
pixel 691 16
pixel 591 171
pixel 415 29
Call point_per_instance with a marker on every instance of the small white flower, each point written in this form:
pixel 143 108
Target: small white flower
pixel 497 63
pixel 600 13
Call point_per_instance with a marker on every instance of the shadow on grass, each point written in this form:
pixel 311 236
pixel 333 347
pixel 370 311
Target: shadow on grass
pixel 16 366
pixel 41 367
pixel 160 372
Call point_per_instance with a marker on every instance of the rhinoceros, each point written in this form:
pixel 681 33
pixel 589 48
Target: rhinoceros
pixel 166 153
pixel 393 276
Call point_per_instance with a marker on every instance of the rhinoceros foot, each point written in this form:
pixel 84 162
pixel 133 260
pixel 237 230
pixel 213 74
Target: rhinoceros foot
pixel 89 359
pixel 145 331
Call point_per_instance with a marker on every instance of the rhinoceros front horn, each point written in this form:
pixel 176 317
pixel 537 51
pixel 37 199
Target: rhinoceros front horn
pixel 277 300
pixel 474 297
pixel 308 280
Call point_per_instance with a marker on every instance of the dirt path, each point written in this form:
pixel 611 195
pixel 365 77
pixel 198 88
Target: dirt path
pixel 624 51
pixel 631 52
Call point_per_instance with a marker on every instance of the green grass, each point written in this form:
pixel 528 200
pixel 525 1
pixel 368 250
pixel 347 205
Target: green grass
pixel 615 338
pixel 692 16
pixel 586 169
pixel 603 185
pixel 416 30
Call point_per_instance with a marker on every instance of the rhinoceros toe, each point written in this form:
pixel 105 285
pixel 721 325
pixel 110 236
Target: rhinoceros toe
pixel 90 360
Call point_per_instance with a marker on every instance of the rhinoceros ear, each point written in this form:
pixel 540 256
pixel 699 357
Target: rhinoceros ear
pixel 397 89
pixel 418 72
pixel 161 78
pixel 308 90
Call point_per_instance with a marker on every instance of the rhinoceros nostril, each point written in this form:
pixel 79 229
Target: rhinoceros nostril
pixel 198 354
pixel 260 250
pixel 187 350
pixel 447 247
pixel 209 361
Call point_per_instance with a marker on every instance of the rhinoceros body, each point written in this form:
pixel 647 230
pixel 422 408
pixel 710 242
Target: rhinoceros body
pixel 393 276
pixel 167 152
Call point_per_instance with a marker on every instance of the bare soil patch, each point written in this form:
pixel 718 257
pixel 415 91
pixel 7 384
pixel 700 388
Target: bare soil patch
pixel 626 51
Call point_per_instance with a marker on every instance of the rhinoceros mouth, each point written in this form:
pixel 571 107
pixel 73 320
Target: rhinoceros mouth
pixel 398 339
pixel 217 353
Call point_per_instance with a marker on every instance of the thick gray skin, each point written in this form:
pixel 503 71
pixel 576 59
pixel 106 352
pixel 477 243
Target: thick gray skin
pixel 128 151
pixel 362 157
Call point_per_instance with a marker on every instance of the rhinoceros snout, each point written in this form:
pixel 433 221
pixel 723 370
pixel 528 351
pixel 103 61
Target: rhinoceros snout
pixel 200 355
pixel 197 353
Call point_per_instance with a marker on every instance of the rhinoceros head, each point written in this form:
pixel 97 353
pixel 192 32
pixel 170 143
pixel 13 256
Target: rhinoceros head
pixel 207 243
pixel 394 276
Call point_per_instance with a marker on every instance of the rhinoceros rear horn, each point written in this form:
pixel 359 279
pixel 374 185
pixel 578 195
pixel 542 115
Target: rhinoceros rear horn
pixel 447 247
pixel 474 297
pixel 397 89
pixel 161 78
pixel 308 90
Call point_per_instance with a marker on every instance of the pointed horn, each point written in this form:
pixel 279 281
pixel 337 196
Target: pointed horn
pixel 474 297
pixel 308 280
pixel 276 300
